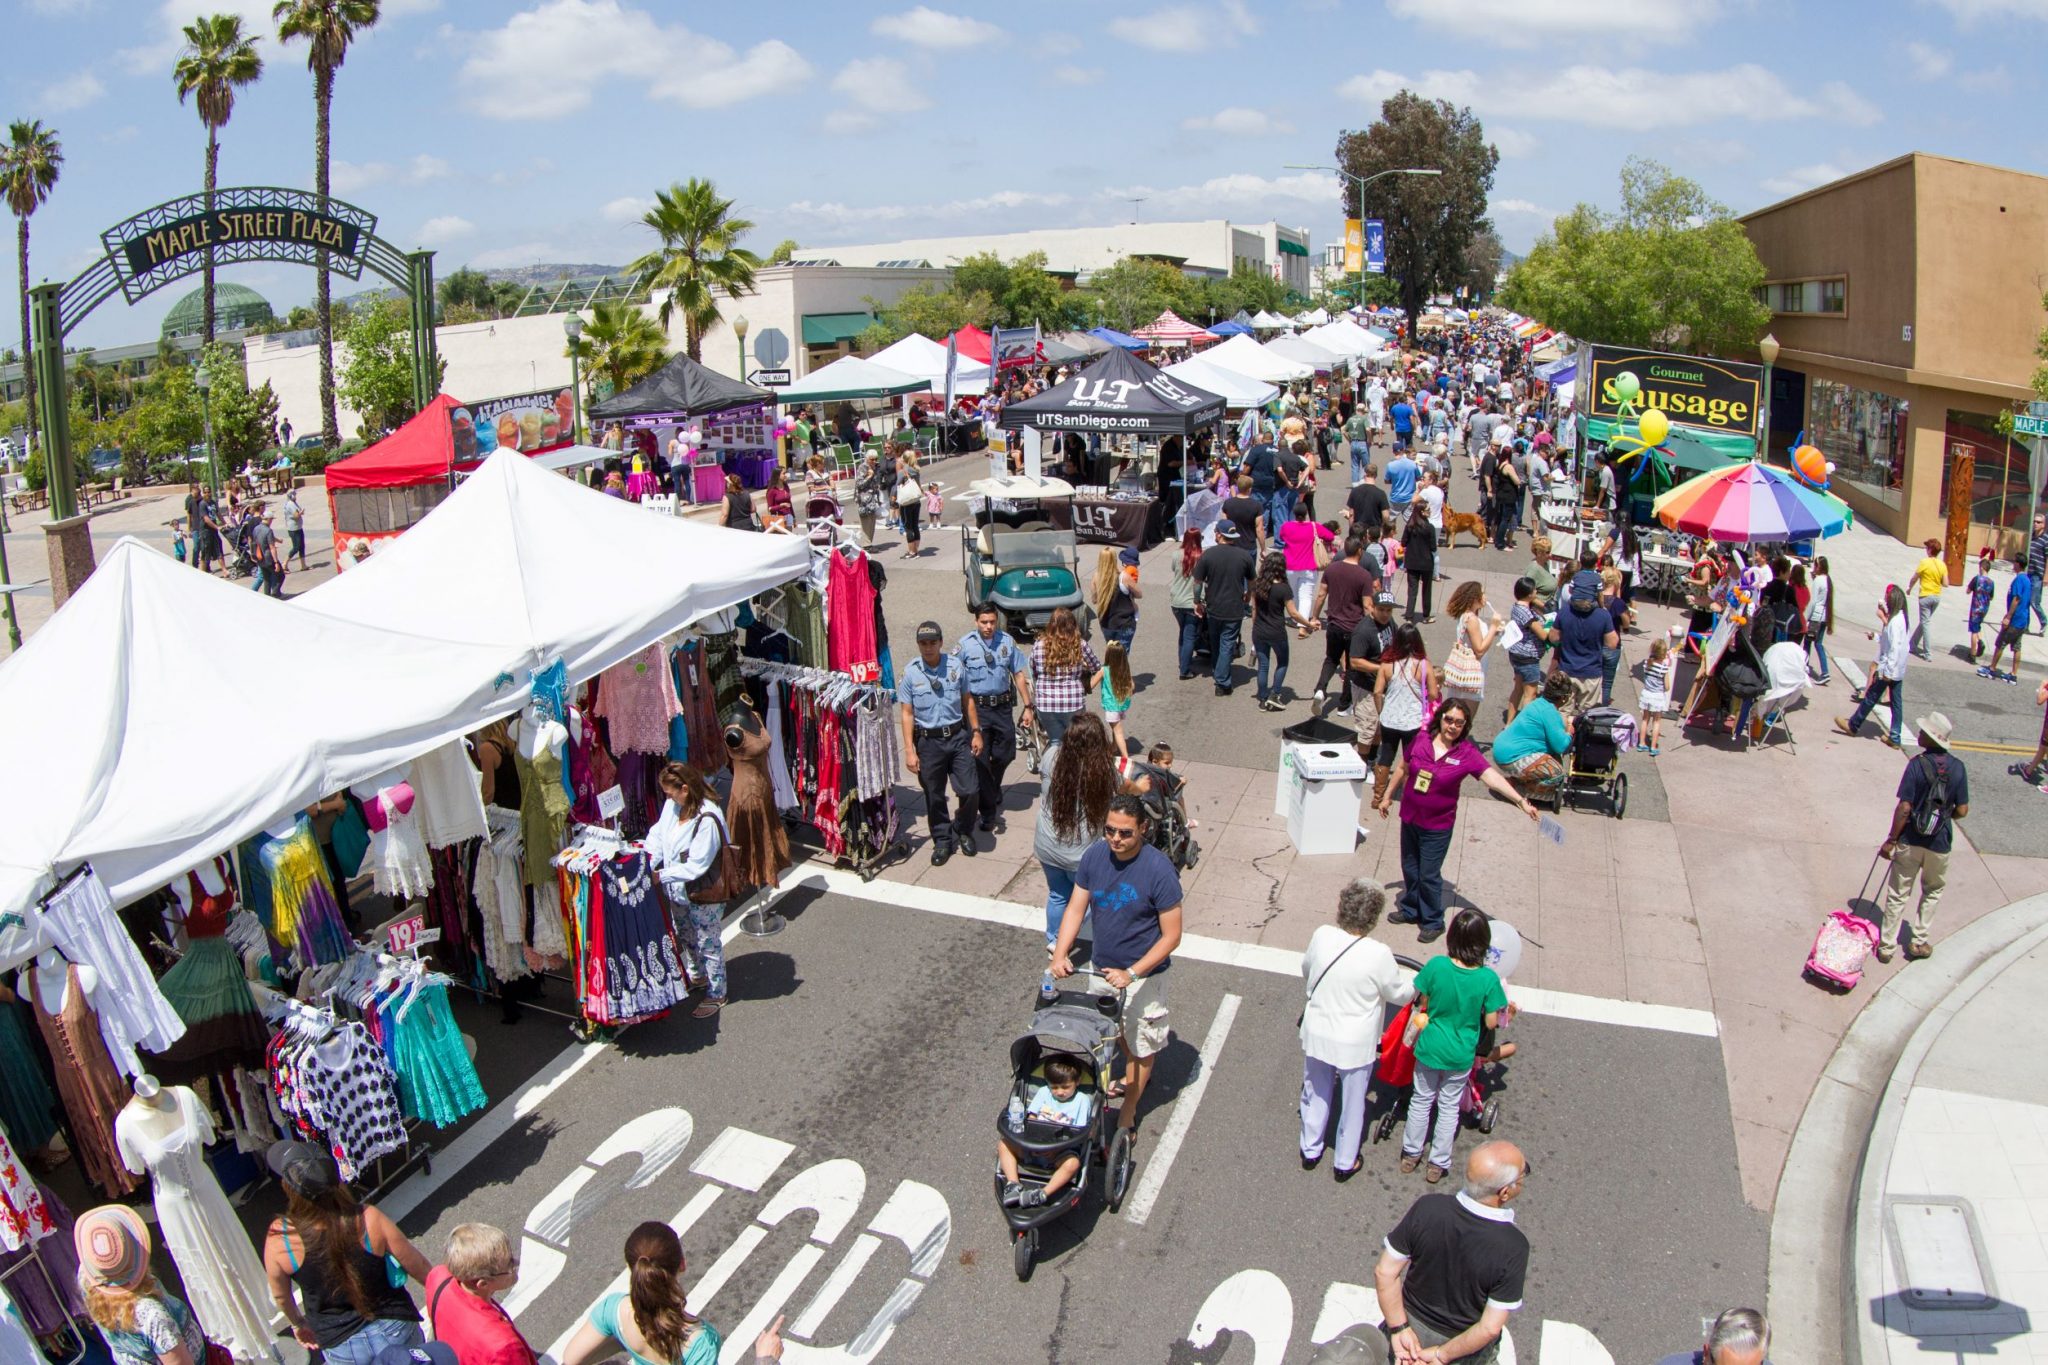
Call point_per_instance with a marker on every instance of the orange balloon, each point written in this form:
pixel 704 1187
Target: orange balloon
pixel 1811 464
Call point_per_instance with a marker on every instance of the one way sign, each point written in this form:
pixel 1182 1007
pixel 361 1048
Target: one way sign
pixel 770 378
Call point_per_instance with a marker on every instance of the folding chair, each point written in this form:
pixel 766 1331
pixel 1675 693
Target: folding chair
pixel 1772 708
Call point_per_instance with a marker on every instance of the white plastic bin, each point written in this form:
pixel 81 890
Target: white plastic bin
pixel 1324 786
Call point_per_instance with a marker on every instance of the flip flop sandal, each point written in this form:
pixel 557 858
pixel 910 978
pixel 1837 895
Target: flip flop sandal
pixel 1114 1090
pixel 707 1008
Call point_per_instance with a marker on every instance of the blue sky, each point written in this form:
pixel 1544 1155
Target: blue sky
pixel 506 133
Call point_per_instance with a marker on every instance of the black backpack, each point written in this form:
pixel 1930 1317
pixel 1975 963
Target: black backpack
pixel 1931 811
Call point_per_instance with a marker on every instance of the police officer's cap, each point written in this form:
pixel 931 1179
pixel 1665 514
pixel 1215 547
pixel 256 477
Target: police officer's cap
pixel 929 632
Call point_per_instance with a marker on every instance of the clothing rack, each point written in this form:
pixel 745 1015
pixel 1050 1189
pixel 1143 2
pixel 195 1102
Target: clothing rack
pixel 33 1256
pixel 838 692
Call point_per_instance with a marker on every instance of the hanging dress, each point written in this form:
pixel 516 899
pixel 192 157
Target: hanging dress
pixel 91 1089
pixel 759 840
pixel 304 916
pixel 851 618
pixel 223 1278
pixel 28 1108
pixel 223 1027
pixel 24 1217
pixel 44 1303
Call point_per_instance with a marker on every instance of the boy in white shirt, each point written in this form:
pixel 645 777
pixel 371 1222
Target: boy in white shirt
pixel 1059 1101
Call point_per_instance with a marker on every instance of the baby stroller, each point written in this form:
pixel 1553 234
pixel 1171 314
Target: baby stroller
pixel 1167 827
pixel 822 507
pixel 1394 1077
pixel 241 558
pixel 1594 763
pixel 1085 1027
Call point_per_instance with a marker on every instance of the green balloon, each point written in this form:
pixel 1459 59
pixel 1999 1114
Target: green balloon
pixel 1628 386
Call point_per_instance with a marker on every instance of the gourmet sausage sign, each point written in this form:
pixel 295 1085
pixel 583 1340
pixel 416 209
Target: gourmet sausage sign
pixel 221 227
pixel 1693 391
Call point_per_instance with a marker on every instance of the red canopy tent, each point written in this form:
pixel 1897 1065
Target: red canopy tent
pixel 377 493
pixel 1173 329
pixel 973 343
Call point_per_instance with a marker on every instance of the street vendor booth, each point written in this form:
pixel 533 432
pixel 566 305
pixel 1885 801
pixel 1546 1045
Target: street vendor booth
pixel 1118 393
pixel 726 426
pixel 377 493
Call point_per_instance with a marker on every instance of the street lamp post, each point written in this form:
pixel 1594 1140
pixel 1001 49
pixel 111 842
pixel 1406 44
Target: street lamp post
pixel 205 383
pixel 1360 182
pixel 572 327
pixel 1768 349
pixel 739 329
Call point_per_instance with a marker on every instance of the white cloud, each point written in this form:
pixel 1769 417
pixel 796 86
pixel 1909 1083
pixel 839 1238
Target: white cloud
pixel 1187 28
pixel 1993 81
pixel 1716 151
pixel 1238 122
pixel 1929 63
pixel 72 92
pixel 848 122
pixel 1519 23
pixel 439 232
pixel 1521 208
pixel 1627 97
pixel 609 46
pixel 880 85
pixel 1243 191
pixel 1803 178
pixel 424 168
pixel 625 209
pixel 929 28
pixel 1070 74
pixel 1512 141
pixel 160 48
pixel 1970 11
pixel 347 177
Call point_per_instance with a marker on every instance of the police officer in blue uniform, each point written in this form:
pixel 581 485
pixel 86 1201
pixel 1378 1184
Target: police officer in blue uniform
pixel 942 736
pixel 998 678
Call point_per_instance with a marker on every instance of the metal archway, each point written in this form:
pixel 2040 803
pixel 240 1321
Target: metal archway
pixel 173 240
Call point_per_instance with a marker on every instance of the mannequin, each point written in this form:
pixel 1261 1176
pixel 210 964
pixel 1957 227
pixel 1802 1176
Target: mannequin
pixel 398 856
pixel 163 1130
pixel 209 990
pixel 91 1088
pixel 759 840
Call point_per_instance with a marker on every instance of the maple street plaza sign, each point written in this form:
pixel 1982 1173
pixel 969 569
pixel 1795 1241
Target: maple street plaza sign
pixel 258 223
pixel 185 235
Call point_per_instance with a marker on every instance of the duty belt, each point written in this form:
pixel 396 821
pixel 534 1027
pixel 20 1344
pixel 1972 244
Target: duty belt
pixel 938 731
pixel 995 699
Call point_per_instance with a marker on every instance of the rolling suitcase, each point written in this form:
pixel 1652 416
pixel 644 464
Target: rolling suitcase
pixel 1844 943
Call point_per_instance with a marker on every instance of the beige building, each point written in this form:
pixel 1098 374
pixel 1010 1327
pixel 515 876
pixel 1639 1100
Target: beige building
pixel 1907 302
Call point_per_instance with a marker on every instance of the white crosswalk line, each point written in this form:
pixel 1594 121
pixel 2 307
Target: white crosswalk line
pixel 1155 1167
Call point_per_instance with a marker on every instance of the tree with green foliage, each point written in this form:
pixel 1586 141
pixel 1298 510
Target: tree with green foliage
pixel 30 162
pixel 1246 289
pixel 1134 291
pixel 1482 264
pixel 376 377
pixel 619 344
pixel 785 252
pixel 926 309
pixel 327 27
pixel 166 421
pixel 1020 292
pixel 217 60
pixel 699 257
pixel 469 295
pixel 1673 269
pixel 243 418
pixel 1430 220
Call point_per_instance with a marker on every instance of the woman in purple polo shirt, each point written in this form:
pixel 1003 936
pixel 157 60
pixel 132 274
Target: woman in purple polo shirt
pixel 1428 776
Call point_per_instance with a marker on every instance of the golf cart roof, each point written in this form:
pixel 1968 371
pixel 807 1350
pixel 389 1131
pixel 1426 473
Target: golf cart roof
pixel 1019 489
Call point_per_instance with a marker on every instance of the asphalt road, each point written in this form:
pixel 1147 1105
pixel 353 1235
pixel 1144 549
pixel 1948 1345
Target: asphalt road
pixel 860 1072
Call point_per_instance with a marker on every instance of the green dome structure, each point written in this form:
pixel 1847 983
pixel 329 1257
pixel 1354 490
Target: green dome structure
pixel 236 307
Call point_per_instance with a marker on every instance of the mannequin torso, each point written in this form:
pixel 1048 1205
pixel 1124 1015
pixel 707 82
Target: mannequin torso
pixel 46 982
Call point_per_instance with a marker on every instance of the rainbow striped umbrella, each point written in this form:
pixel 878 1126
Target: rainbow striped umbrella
pixel 1752 501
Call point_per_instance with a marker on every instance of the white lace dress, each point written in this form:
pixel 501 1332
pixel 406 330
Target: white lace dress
pixel 224 1280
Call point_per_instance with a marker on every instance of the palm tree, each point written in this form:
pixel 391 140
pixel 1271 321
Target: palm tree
pixel 328 26
pixel 697 259
pixel 218 57
pixel 29 165
pixel 621 343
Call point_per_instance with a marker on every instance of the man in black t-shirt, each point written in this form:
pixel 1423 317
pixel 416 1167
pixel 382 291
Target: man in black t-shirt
pixel 1454 1265
pixel 1934 793
pixel 1223 577
pixel 1369 639
pixel 1347 584
pixel 1247 512
pixel 1368 504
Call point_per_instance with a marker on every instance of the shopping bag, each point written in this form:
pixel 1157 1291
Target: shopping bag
pixel 1397 1056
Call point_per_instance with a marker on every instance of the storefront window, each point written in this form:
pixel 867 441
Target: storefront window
pixel 1863 433
pixel 1999 497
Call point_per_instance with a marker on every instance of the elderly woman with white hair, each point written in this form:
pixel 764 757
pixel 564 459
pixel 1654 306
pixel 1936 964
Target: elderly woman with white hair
pixel 1350 979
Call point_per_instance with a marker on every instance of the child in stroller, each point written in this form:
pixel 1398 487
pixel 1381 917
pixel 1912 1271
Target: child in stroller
pixel 1164 794
pixel 1057 1101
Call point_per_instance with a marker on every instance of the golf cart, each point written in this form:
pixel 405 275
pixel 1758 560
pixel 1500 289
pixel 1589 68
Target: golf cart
pixel 1012 556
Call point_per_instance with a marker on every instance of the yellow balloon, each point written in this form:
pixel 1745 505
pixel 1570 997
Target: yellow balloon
pixel 1654 426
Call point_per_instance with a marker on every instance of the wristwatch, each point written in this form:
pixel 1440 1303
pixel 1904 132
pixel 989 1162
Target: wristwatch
pixel 1392 1331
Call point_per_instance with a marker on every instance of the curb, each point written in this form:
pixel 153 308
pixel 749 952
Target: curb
pixel 1826 1225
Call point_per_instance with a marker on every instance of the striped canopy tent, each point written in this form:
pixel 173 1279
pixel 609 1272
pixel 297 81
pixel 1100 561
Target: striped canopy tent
pixel 1171 329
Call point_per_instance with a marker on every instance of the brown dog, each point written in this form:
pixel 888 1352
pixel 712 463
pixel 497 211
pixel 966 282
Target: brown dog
pixel 1454 522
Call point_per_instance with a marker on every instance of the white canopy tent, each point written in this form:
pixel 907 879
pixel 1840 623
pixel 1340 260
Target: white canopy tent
pixel 1245 355
pixel 1346 338
pixel 540 568
pixel 1267 322
pixel 1237 390
pixel 1302 351
pixel 1314 317
pixel 919 355
pixel 850 377
pixel 574 457
pixel 164 715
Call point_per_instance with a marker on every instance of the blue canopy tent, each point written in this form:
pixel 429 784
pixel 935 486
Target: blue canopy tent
pixel 1231 329
pixel 1116 338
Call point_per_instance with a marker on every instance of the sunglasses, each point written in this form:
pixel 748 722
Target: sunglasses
pixel 1112 832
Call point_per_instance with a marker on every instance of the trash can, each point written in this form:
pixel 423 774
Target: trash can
pixel 1315 732
pixel 1325 784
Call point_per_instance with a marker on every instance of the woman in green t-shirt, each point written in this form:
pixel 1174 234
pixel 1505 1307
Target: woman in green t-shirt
pixel 1460 996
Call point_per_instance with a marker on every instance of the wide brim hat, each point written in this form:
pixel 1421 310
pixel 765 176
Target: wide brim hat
pixel 113 1246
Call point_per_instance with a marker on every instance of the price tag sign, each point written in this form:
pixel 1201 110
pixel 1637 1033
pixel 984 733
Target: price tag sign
pixel 409 931
pixel 1550 829
pixel 864 672
pixel 611 803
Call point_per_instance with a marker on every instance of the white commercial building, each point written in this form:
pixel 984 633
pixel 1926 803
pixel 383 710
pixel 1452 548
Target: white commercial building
pixel 1213 247
pixel 816 310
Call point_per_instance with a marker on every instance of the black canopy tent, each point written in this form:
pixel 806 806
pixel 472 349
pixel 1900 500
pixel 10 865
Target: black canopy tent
pixel 681 388
pixel 1118 392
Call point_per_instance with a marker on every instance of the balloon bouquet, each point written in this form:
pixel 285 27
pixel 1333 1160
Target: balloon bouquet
pixel 1652 425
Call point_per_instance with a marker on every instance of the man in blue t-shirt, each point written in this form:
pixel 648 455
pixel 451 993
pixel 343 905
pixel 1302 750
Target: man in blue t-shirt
pixel 1584 629
pixel 1404 424
pixel 1136 898
pixel 1402 475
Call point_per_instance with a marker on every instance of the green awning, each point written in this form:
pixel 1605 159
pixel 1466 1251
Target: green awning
pixel 1288 248
pixel 829 329
pixel 1692 448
